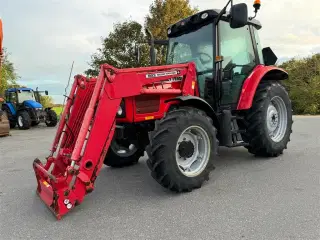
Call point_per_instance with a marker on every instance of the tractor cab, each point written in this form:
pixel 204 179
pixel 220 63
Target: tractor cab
pixel 21 97
pixel 225 47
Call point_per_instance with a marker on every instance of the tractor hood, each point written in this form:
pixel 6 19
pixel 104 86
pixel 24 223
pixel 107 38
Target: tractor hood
pixel 32 104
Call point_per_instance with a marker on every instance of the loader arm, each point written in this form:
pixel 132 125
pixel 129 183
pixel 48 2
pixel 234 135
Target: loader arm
pixel 87 127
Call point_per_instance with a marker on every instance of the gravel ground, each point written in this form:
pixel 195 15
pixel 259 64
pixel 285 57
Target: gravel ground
pixel 246 197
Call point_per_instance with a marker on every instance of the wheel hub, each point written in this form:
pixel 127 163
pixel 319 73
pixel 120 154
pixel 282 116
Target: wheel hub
pixel 277 119
pixel 193 151
pixel 186 149
pixel 20 121
pixel 273 118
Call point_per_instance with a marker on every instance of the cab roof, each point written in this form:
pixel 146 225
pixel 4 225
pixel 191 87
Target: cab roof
pixel 195 22
pixel 19 89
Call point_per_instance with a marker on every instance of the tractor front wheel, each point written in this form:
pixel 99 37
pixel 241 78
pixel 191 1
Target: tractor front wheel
pixel 23 120
pixel 51 118
pixel 269 121
pixel 123 152
pixel 182 149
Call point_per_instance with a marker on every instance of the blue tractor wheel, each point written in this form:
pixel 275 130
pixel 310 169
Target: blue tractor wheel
pixel 23 120
pixel 51 118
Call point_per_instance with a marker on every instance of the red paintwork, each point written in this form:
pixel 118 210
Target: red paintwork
pixel 250 85
pixel 88 124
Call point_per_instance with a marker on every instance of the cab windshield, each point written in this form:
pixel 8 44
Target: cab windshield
pixel 194 47
pixel 25 95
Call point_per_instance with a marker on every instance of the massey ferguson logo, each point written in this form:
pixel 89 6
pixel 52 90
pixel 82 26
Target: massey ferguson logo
pixel 162 74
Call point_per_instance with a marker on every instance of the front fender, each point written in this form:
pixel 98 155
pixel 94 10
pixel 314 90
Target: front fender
pixel 197 102
pixel 250 85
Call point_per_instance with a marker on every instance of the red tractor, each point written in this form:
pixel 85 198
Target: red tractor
pixel 219 88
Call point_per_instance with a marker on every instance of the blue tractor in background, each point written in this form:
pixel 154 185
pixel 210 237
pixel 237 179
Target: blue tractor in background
pixel 24 108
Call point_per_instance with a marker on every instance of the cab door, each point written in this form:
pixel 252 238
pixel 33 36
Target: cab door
pixel 239 59
pixel 11 99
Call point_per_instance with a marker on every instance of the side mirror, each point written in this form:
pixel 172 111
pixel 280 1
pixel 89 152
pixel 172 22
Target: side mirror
pixel 269 57
pixel 238 15
pixel 137 54
pixel 46 92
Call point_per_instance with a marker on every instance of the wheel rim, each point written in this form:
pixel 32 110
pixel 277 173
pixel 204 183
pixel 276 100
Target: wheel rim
pixel 277 119
pixel 20 121
pixel 123 150
pixel 193 151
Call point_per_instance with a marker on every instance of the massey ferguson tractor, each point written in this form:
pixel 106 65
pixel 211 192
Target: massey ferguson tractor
pixel 218 88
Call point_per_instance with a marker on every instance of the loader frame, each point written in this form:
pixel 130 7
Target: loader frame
pixel 70 173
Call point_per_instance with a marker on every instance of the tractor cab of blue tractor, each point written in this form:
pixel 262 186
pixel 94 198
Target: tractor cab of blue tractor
pixel 23 107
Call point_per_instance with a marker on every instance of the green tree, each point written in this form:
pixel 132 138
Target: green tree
pixel 46 101
pixel 162 14
pixel 304 84
pixel 8 74
pixel 118 48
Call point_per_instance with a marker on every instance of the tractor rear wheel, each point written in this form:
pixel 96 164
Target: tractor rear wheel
pixel 182 149
pixel 123 153
pixel 23 120
pixel 269 121
pixel 52 118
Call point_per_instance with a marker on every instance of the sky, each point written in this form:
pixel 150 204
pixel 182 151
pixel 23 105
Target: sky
pixel 45 37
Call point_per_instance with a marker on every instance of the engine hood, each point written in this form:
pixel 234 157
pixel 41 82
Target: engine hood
pixel 32 104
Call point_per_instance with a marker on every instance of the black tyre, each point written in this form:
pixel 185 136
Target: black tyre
pixel 12 121
pixel 123 153
pixel 177 144
pixel 23 120
pixel 269 121
pixel 51 118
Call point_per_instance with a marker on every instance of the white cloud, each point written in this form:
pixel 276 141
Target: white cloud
pixel 44 37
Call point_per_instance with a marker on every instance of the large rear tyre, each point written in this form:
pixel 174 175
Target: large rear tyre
pixel 122 153
pixel 182 149
pixel 269 121
pixel 51 119
pixel 23 120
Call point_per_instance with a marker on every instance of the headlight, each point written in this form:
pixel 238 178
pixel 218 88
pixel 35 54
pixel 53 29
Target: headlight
pixel 204 15
pixel 120 111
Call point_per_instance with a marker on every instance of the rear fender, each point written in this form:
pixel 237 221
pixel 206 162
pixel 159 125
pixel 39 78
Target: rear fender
pixel 11 108
pixel 260 73
pixel 196 102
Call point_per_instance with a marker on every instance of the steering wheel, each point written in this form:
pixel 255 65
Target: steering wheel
pixel 207 55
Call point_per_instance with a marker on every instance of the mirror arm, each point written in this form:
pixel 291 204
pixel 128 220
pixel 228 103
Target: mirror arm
pixel 223 11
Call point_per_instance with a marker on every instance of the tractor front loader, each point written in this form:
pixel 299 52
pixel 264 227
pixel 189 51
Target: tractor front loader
pixel 88 124
pixel 218 88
